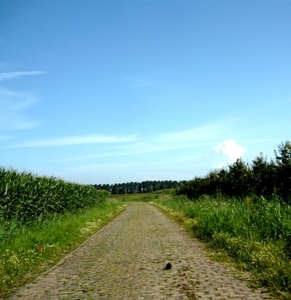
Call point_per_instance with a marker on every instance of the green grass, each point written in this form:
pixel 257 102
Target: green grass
pixel 254 232
pixel 27 250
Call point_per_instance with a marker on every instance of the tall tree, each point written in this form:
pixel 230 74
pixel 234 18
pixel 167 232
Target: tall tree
pixel 283 160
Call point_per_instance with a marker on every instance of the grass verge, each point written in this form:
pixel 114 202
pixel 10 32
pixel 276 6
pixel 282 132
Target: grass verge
pixel 253 232
pixel 26 251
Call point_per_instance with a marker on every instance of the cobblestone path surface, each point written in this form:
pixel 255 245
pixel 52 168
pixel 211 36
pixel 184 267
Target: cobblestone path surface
pixel 127 259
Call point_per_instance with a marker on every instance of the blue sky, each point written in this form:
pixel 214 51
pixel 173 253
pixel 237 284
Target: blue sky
pixel 120 91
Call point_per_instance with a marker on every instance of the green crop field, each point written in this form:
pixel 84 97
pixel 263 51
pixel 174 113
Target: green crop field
pixel 26 197
pixel 41 220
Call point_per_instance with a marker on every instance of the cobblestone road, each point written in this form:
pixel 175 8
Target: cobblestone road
pixel 126 260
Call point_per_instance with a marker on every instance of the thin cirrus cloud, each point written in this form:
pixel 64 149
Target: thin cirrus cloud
pixel 196 137
pixel 2 64
pixel 76 140
pixel 13 105
pixel 137 148
pixel 207 132
pixel 5 138
pixel 139 82
pixel 12 75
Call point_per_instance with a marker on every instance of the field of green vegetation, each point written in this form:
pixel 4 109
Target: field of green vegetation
pixel 252 232
pixel 26 197
pixel 243 211
pixel 43 219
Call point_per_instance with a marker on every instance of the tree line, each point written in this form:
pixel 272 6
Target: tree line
pixel 139 187
pixel 240 179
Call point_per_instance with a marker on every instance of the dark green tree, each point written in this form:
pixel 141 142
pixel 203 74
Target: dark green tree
pixel 283 161
pixel 240 179
pixel 115 189
pixel 264 176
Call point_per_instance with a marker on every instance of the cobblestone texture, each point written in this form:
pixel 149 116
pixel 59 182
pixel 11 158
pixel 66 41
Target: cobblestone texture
pixel 127 259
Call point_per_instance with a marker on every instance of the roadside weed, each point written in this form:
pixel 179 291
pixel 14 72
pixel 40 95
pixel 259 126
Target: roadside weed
pixel 254 232
pixel 30 249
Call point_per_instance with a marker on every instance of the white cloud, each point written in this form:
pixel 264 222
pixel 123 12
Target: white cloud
pixel 76 140
pixel 12 105
pixel 229 148
pixel 11 75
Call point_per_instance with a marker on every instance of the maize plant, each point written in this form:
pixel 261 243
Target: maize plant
pixel 26 196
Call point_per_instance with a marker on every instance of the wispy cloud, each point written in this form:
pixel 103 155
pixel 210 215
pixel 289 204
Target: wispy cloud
pixel 256 141
pixel 13 103
pixel 12 106
pixel 2 64
pixel 136 148
pixel 11 75
pixel 209 132
pixel 202 136
pixel 76 140
pixel 139 82
pixel 5 138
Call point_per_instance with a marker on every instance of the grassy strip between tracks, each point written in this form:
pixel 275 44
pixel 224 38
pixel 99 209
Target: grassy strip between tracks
pixel 252 232
pixel 29 250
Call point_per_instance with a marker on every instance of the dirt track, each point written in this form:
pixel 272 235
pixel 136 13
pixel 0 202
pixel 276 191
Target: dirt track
pixel 126 260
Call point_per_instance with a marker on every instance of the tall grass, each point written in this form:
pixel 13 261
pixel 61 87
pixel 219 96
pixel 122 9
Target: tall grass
pixel 253 231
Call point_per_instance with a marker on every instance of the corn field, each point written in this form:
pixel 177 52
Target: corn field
pixel 26 197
